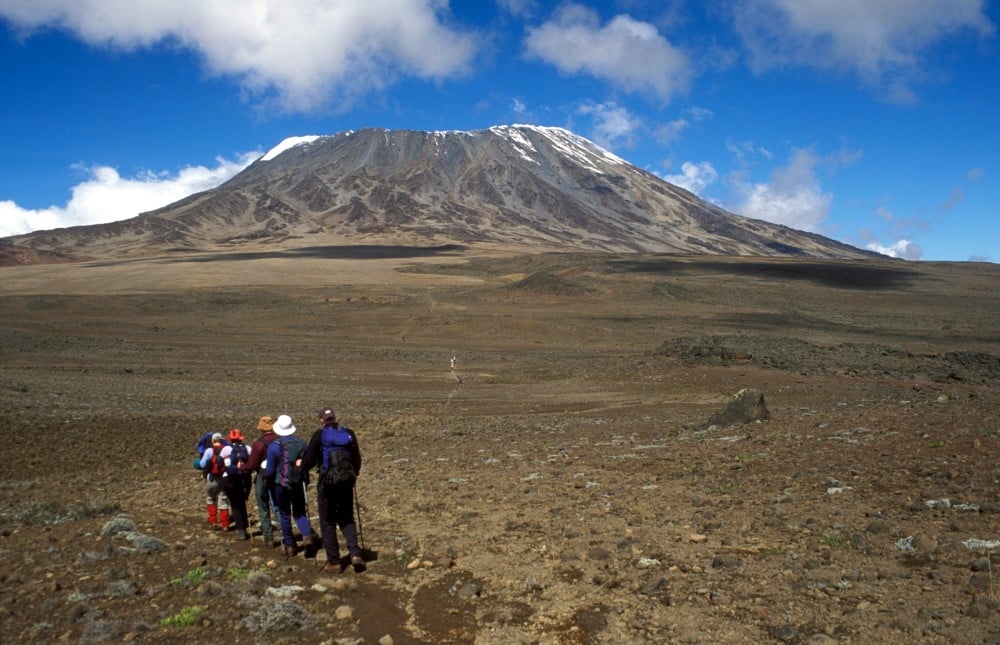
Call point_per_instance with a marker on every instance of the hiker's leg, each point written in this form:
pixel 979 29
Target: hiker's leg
pixel 299 512
pixel 212 500
pixel 233 487
pixel 345 518
pixel 263 497
pixel 223 509
pixel 284 515
pixel 327 524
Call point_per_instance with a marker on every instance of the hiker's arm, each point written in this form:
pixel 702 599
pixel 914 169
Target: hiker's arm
pixel 273 452
pixel 256 452
pixel 355 453
pixel 311 458
pixel 205 458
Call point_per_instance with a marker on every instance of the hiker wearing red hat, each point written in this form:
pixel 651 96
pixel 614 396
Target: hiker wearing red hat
pixel 236 483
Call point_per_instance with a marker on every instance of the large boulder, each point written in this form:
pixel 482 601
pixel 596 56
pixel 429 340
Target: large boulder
pixel 746 406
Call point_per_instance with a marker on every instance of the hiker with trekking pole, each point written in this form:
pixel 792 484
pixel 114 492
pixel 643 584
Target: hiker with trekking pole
pixel 286 475
pixel 262 492
pixel 333 450
pixel 236 483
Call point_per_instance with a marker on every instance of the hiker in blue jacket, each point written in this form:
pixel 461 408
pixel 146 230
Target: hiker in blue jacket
pixel 333 450
pixel 286 476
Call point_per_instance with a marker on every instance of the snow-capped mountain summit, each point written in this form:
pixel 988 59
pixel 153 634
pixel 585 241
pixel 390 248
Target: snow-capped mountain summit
pixel 518 187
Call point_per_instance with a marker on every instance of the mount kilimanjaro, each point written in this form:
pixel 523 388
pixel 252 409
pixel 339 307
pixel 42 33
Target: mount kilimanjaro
pixel 525 188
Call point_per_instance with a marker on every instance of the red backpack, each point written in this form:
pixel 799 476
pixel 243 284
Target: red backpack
pixel 216 465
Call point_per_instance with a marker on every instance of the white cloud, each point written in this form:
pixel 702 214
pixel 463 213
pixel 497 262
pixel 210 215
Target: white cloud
pixel 107 196
pixel 669 132
pixel 792 196
pixel 883 41
pixel 301 54
pixel 695 177
pixel 613 124
pixel 904 249
pixel 626 52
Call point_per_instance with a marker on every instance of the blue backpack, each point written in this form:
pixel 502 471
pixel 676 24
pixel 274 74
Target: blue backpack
pixel 338 464
pixel 206 442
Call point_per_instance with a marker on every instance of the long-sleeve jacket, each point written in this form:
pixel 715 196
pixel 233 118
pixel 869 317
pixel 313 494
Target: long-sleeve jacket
pixel 258 453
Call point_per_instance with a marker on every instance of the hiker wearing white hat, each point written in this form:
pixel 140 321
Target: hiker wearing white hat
pixel 284 471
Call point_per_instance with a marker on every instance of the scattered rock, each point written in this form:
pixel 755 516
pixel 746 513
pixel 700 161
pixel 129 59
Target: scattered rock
pixel 746 406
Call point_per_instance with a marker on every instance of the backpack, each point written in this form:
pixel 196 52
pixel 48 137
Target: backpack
pixel 238 455
pixel 287 473
pixel 338 462
pixel 216 465
pixel 206 442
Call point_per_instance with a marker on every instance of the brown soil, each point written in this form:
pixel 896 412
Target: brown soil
pixel 566 491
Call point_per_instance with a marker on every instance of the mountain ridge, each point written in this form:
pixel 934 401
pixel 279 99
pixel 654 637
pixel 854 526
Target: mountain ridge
pixel 529 188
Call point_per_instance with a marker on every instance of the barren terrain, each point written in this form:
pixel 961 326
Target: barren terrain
pixel 565 491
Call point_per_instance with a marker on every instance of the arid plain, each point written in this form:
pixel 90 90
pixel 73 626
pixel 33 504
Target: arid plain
pixel 560 486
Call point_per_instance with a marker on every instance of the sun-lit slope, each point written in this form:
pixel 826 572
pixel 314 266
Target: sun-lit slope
pixel 522 187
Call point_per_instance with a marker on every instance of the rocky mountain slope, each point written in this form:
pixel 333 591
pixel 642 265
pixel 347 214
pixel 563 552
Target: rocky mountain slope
pixel 521 187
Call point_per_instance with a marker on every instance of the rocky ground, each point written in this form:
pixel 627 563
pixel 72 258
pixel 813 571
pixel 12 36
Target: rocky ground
pixel 568 490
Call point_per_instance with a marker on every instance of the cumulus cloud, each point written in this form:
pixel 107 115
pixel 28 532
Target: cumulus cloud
pixel 106 196
pixel 628 53
pixel 792 195
pixel 884 42
pixel 613 125
pixel 903 249
pixel 301 54
pixel 694 177
pixel 671 131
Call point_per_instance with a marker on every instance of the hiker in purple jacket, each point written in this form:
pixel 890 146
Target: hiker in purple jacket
pixel 333 451
pixel 286 476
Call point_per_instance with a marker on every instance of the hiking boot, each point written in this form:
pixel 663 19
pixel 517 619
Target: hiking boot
pixel 289 550
pixel 333 568
pixel 241 534
pixel 357 561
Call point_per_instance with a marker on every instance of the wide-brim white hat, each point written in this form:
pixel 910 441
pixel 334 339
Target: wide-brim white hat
pixel 284 427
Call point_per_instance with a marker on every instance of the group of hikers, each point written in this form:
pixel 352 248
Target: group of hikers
pixel 276 467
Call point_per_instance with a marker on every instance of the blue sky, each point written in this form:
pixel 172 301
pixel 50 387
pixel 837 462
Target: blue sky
pixel 874 122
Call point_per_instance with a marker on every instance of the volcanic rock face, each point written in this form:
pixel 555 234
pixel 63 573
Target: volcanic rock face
pixel 523 187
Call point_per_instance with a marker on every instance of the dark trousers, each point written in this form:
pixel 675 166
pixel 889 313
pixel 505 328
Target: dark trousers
pixel 291 503
pixel 237 489
pixel 336 508
pixel 262 493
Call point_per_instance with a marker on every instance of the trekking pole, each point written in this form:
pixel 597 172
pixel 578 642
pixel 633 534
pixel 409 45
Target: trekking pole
pixel 249 522
pixel 357 507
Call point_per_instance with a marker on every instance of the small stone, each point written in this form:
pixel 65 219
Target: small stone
pixel 697 538
pixel 925 543
pixel 981 564
pixel 385 640
pixel 723 561
pixel 786 633
pixel 343 612
pixel 414 564
pixel 821 639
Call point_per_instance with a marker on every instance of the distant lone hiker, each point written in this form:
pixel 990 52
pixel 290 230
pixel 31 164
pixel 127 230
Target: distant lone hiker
pixel 452 363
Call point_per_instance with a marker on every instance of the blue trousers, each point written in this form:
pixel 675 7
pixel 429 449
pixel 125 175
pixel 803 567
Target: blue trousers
pixel 291 503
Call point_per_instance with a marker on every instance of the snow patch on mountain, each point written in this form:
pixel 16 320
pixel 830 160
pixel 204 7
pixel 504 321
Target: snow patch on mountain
pixel 290 142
